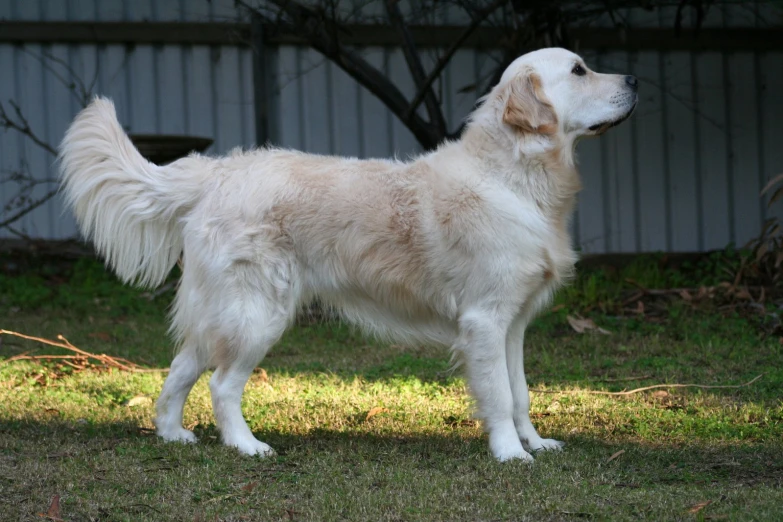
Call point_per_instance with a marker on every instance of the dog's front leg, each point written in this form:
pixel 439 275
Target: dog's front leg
pixel 519 390
pixel 482 342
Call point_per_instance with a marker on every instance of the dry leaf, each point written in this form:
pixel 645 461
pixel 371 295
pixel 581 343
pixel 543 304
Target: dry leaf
pixel 60 455
pixel 660 393
pixel 639 307
pixel 578 514
pixel 698 507
pixel 557 308
pixel 262 375
pixel 53 512
pixel 103 336
pixel 139 400
pixel 629 485
pixel 375 411
pixel 250 486
pixel 763 249
pixel 581 325
pixel 685 295
pixel 614 456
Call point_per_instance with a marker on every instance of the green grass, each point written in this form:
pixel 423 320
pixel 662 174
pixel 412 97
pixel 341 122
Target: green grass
pixel 422 457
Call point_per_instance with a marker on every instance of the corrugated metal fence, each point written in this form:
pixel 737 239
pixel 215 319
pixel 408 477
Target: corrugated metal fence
pixel 683 175
pixel 183 89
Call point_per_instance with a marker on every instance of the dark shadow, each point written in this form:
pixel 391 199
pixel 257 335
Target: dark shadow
pixel 640 464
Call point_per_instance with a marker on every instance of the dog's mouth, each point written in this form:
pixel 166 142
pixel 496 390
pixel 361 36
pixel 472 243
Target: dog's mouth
pixel 600 128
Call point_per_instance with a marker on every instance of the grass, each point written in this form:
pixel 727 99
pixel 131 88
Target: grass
pixel 419 456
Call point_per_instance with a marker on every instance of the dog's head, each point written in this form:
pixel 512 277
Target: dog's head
pixel 551 92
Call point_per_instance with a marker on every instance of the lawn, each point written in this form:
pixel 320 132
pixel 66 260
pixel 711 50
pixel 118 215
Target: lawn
pixel 371 431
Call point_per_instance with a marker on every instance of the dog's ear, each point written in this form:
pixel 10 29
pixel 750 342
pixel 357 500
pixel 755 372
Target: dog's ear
pixel 527 107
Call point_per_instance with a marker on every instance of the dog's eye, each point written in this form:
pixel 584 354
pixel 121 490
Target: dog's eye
pixel 578 70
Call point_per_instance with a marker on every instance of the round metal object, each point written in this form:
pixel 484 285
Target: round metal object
pixel 161 148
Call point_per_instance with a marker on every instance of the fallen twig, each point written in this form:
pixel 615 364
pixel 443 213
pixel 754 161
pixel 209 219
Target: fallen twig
pixel 653 387
pixel 162 290
pixel 147 506
pixel 701 291
pixel 620 379
pixel 614 456
pixel 107 361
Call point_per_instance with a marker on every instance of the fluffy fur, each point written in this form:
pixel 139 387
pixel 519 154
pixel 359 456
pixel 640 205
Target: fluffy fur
pixel 460 247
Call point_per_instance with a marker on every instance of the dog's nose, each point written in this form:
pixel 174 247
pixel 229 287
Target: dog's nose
pixel 632 82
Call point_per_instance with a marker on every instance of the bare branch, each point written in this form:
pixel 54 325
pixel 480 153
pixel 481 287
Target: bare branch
pixel 443 61
pixel 73 83
pixel 18 233
pixel 21 125
pixel 322 35
pixel 415 67
pixel 653 387
pixel 29 208
pixel 107 361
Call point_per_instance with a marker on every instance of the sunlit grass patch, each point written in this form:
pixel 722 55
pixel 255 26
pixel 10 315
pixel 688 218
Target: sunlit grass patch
pixel 370 431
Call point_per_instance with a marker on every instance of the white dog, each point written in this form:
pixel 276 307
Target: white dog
pixel 460 246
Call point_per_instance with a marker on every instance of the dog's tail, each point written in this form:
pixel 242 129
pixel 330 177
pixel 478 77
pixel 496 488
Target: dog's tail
pixel 129 207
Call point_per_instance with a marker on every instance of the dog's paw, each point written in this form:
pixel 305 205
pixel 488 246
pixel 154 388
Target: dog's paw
pixel 253 447
pixel 546 445
pixel 508 449
pixel 504 443
pixel 177 435
pixel 520 454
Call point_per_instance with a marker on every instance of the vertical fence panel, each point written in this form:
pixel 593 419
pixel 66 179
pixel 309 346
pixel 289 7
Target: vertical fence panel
pixel 681 118
pixel 34 106
pixel 227 99
pixel 713 145
pixel 172 89
pixel 376 120
pixel 290 131
pixel 404 143
pixel 771 114
pixel 346 116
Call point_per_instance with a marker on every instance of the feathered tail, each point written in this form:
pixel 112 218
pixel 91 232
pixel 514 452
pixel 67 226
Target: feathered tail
pixel 129 207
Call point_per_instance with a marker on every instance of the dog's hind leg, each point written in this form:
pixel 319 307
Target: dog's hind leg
pixel 236 361
pixel 519 390
pixel 185 371
pixel 259 305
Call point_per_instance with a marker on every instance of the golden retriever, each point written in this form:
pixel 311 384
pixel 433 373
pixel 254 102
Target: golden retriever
pixel 461 246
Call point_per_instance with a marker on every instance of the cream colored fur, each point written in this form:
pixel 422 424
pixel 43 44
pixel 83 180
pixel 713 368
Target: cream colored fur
pixel 460 246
